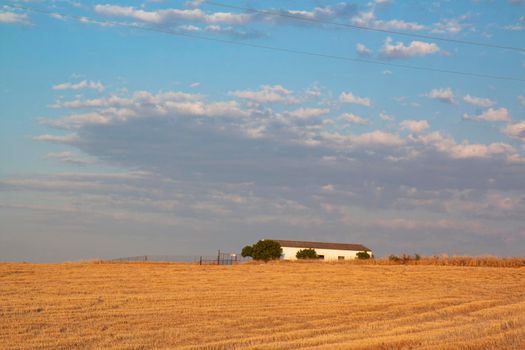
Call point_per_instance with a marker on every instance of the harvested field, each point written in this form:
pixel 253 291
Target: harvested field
pixel 260 306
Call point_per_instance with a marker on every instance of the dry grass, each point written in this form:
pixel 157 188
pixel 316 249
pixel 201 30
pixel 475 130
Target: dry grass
pixel 260 306
pixel 444 260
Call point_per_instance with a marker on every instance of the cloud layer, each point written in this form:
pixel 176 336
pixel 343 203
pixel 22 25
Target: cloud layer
pixel 213 153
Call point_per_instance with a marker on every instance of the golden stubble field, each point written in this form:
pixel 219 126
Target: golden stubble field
pixel 260 306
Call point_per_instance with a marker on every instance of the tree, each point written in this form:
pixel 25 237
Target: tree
pixel 266 249
pixel 362 255
pixel 247 251
pixel 306 254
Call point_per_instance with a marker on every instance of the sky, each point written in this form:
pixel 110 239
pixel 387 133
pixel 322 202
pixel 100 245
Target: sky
pixel 183 127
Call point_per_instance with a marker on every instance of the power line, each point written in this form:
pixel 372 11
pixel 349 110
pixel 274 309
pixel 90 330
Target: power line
pixel 84 19
pixel 358 27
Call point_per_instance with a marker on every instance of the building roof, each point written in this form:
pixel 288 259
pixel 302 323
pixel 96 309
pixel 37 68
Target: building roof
pixel 322 245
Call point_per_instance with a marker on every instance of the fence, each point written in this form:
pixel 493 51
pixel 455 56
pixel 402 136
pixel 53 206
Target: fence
pixel 160 258
pixel 219 259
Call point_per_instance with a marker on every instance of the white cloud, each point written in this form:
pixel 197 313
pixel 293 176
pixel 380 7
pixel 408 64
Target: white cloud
pixel 491 115
pixel 444 95
pixel 515 27
pixel 382 2
pixel 195 84
pixel 368 19
pixel 75 121
pixel 415 126
pixel 57 16
pixel 189 28
pixel 94 176
pixel 385 117
pixel 13 18
pixel 362 50
pixel 348 97
pixel 516 131
pixel 313 91
pixel 267 94
pixel 520 25
pixel 450 25
pixel 228 30
pixel 324 13
pixel 194 3
pixel 173 15
pixel 84 84
pixel 115 108
pixel 378 138
pixel 522 100
pixel 466 149
pixel 352 118
pixel 478 101
pixel 111 101
pixel 305 113
pixel 57 138
pixel 162 101
pixel 68 157
pixel 392 50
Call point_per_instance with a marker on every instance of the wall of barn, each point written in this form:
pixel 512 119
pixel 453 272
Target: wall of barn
pixel 329 254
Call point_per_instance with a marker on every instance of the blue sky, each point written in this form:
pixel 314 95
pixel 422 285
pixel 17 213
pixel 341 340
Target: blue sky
pixel 124 132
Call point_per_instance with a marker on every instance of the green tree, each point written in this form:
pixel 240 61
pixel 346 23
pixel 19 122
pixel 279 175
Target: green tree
pixel 266 249
pixel 247 251
pixel 306 254
pixel 362 255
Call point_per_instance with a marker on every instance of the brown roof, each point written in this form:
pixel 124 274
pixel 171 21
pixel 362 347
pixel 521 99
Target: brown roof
pixel 322 245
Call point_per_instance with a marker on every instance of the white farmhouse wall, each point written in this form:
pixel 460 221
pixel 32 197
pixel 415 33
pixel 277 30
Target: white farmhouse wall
pixel 329 254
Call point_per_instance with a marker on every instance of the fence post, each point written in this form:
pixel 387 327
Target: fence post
pixel 219 257
pixel 200 261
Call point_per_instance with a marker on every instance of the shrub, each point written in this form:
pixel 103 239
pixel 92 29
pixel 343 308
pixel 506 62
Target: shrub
pixel 404 258
pixel 362 255
pixel 266 250
pixel 247 251
pixel 306 254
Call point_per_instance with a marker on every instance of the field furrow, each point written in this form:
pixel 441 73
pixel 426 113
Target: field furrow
pixel 272 306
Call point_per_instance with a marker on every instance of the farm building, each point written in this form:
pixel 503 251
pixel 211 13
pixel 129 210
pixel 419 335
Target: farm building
pixel 325 250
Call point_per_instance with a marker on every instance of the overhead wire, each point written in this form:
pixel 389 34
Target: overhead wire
pixel 361 27
pixel 84 19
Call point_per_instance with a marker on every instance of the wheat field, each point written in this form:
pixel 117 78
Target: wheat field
pixel 96 305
